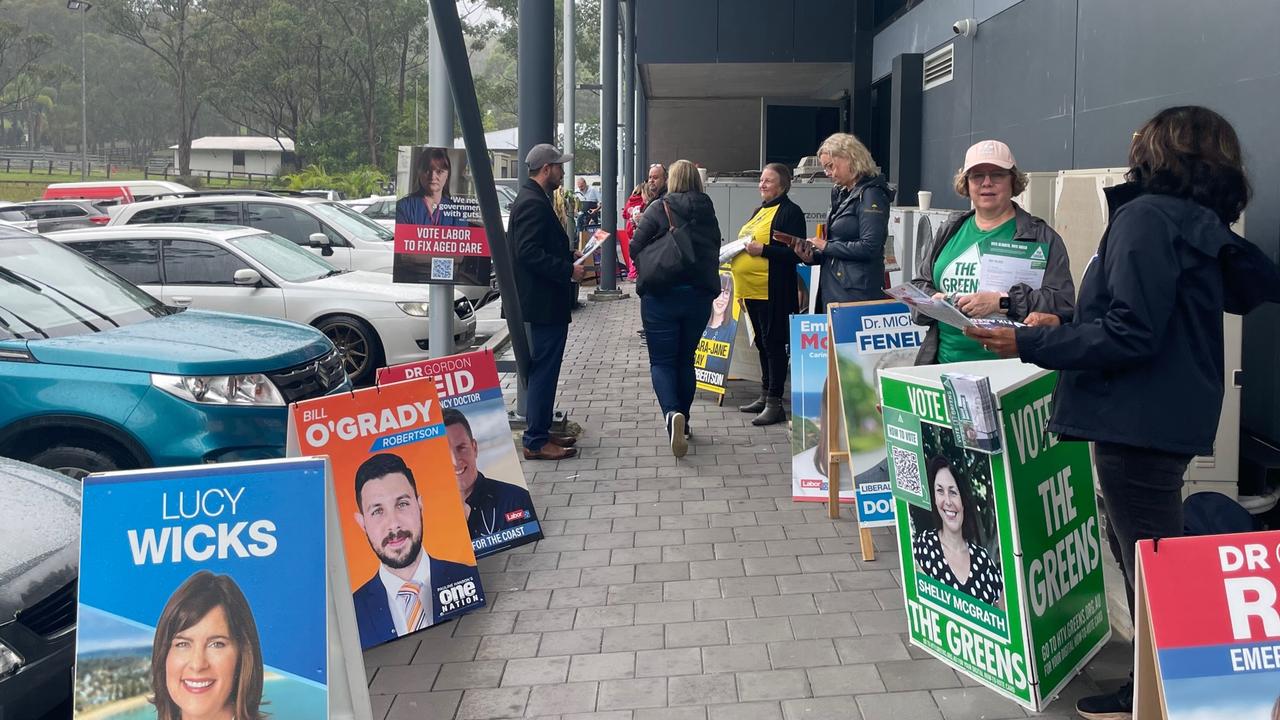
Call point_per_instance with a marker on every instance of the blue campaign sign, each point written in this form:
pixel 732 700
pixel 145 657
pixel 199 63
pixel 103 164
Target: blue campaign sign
pixel 197 572
pixel 875 504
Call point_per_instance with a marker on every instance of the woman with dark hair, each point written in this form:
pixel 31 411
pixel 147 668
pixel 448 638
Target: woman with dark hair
pixel 206 660
pixel 765 277
pixel 1142 361
pixel 429 203
pixel 950 552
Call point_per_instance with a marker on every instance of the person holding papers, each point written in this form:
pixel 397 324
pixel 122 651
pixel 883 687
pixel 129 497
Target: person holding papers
pixel 994 260
pixel 764 275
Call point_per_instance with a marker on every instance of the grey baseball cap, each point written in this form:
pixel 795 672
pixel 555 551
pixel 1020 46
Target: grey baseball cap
pixel 545 154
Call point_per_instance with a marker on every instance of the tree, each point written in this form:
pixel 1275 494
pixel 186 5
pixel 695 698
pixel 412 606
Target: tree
pixel 178 33
pixel 21 52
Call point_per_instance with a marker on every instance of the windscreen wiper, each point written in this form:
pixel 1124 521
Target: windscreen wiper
pixel 63 293
pixel 22 320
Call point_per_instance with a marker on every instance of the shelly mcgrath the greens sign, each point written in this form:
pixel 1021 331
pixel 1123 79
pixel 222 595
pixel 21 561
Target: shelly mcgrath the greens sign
pixel 1003 577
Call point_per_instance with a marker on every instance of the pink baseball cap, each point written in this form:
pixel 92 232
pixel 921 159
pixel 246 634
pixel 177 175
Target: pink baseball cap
pixel 988 152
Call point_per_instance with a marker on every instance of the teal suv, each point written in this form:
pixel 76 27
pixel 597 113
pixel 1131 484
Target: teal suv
pixel 97 375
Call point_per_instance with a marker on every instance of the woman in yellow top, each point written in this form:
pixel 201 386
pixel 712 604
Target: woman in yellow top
pixel 765 276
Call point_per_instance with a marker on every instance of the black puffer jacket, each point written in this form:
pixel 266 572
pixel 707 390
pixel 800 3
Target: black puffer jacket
pixel 1142 360
pixel 691 208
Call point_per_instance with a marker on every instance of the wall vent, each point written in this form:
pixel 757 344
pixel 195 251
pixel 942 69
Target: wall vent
pixel 938 66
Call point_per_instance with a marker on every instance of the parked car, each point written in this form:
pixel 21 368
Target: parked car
pixel 40 514
pixel 54 215
pixel 99 375
pixel 372 321
pixel 16 216
pixel 123 191
pixel 325 194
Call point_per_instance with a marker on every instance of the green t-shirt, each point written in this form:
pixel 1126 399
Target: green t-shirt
pixel 956 271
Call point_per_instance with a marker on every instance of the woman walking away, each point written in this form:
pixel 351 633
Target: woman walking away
pixel 676 251
pixel 852 253
pixel 952 263
pixel 765 276
pixel 1141 368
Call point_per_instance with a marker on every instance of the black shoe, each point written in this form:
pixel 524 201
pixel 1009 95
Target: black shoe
pixel 1112 706
pixel 675 433
pixel 772 413
pixel 754 407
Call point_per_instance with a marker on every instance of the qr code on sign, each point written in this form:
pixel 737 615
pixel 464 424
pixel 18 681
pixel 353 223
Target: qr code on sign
pixel 441 268
pixel 906 471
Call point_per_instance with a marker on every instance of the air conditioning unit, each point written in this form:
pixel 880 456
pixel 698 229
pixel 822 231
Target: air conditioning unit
pixel 1080 217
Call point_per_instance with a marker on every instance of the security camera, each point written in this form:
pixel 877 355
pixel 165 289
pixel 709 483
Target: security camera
pixel 966 28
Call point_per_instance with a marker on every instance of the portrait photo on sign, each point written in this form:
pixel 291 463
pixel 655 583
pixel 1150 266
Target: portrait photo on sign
pixel 957 541
pixel 440 234
pixel 494 496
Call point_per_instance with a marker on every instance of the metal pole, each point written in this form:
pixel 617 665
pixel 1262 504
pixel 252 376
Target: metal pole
pixel 439 134
pixel 628 99
pixel 642 135
pixel 536 79
pixel 570 83
pixel 449 38
pixel 84 101
pixel 609 149
pixel 416 104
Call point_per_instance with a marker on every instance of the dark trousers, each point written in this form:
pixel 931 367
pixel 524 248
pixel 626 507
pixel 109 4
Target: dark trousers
pixel 673 324
pixel 546 348
pixel 772 329
pixel 1142 490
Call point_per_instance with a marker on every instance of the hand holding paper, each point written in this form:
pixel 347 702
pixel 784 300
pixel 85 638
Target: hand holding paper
pixel 597 239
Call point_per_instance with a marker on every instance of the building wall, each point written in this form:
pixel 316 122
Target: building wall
pixel 1066 82
pixel 721 134
pixel 219 161
pixel 702 31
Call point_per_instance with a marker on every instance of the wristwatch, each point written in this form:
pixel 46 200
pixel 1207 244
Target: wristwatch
pixel 1004 302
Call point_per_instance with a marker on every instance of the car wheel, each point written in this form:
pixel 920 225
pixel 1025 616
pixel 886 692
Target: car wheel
pixel 357 343
pixel 77 459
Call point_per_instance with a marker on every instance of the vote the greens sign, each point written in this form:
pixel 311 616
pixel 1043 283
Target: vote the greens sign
pixel 1003 576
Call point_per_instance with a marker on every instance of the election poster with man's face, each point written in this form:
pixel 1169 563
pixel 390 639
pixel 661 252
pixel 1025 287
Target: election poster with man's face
pixel 495 498
pixel 439 233
pixel 409 555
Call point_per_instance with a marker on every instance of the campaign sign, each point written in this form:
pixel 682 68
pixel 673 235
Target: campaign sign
pixel 1024 609
pixel 202 593
pixel 810 400
pixel 499 511
pixel 867 338
pixel 875 504
pixel 439 233
pixel 409 555
pixel 1207 641
pixel 715 349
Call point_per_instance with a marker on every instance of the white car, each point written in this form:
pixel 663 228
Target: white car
pixel 342 236
pixel 372 321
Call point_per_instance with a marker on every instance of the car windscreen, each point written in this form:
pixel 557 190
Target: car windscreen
pixel 352 222
pixel 47 290
pixel 282 257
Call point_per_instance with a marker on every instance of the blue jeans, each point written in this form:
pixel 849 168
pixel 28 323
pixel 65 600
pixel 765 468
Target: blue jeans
pixel 546 347
pixel 673 325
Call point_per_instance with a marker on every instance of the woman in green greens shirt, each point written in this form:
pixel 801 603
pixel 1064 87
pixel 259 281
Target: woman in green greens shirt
pixel 994 260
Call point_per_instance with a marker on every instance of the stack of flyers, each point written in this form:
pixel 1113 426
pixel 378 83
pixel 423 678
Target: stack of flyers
pixel 942 309
pixel 972 409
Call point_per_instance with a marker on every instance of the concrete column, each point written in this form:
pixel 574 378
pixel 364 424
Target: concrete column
pixel 570 79
pixel 860 87
pixel 608 289
pixel 628 99
pixel 536 79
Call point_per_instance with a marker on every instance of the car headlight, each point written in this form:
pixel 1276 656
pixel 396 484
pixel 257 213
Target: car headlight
pixel 416 309
pixel 253 389
pixel 10 661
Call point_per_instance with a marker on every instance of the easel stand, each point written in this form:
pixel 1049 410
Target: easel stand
pixel 834 431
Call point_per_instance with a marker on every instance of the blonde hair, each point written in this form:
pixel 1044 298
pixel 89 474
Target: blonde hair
pixel 684 177
pixel 961 182
pixel 847 146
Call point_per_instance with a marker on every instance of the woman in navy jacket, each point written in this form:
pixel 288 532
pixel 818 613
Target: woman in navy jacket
pixel 1142 362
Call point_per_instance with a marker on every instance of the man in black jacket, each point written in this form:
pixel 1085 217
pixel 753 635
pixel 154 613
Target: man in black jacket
pixel 545 274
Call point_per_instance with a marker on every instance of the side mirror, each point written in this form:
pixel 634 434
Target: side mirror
pixel 247 276
pixel 321 241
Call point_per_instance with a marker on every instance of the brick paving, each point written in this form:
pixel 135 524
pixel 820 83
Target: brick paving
pixel 681 590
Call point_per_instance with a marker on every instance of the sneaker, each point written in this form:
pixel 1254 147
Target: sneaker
pixel 1112 706
pixel 675 433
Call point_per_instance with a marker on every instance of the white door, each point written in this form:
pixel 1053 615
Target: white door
pixel 201 275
